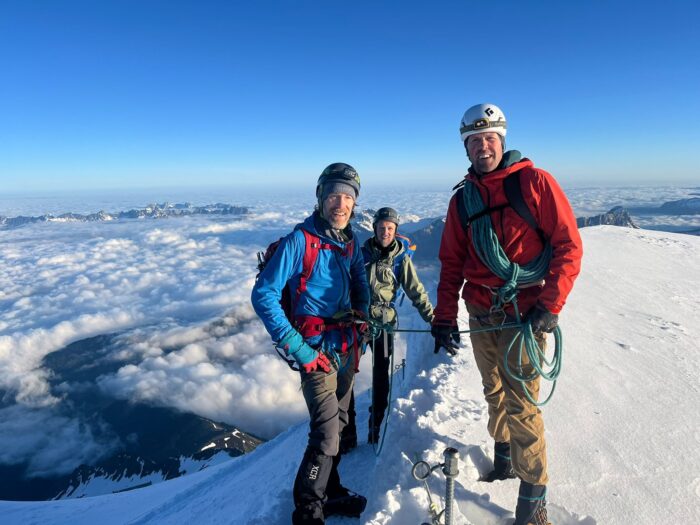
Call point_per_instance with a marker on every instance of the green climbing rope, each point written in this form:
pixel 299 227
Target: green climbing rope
pixel 491 253
pixel 548 369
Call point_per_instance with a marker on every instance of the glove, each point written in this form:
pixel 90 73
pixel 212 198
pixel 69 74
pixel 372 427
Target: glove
pixel 320 363
pixel 308 358
pixel 445 337
pixel 541 319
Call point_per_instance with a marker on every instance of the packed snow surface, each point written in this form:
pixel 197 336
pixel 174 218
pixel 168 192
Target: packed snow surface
pixel 622 428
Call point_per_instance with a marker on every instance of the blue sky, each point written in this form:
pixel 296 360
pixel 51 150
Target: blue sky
pixel 126 94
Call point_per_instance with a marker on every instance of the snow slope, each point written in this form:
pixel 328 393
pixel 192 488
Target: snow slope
pixel 622 429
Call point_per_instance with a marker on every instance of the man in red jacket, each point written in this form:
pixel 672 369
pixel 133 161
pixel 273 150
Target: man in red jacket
pixel 514 422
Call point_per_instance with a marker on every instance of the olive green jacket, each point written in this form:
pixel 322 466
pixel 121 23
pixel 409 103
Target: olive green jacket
pixel 384 284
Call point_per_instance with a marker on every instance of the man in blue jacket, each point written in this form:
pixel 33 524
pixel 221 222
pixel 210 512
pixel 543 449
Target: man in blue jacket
pixel 322 265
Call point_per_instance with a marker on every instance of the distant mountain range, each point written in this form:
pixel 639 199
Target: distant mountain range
pixel 617 216
pixel 152 211
pixel 689 206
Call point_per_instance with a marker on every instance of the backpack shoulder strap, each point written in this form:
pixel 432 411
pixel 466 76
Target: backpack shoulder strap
pixel 514 195
pixel 312 246
pixel 461 208
pixel 349 248
pixel 408 249
pixel 398 260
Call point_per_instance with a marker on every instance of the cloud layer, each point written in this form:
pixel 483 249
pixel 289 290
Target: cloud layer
pixel 177 291
pixel 226 371
pixel 62 283
pixel 50 443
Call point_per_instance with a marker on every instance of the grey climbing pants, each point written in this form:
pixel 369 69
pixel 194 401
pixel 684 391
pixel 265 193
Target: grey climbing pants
pixel 327 398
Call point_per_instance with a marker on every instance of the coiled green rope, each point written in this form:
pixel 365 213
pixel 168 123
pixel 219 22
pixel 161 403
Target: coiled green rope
pixel 491 253
pixel 535 355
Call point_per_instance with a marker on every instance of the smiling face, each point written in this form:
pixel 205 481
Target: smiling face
pixel 485 151
pixel 337 209
pixel 385 233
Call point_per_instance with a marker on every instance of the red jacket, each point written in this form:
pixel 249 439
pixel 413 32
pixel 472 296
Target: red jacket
pixel 551 210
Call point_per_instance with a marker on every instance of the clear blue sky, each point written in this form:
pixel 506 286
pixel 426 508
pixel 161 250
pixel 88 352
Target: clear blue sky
pixel 100 94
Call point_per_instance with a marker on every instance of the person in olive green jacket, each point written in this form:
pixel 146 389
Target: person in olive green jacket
pixel 389 269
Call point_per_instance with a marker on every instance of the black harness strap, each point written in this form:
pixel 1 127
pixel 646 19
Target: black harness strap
pixel 471 218
pixel 514 195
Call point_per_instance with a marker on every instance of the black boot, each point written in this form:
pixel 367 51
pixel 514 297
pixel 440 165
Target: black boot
pixel 502 466
pixel 341 501
pixel 310 488
pixel 307 517
pixel 531 508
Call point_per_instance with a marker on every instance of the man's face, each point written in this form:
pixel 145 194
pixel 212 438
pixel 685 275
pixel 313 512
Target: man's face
pixel 337 208
pixel 385 233
pixel 485 151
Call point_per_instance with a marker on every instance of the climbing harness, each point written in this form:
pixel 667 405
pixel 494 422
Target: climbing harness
pixel 310 326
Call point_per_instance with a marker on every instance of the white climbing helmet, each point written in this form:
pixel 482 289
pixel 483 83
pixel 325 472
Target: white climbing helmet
pixel 483 118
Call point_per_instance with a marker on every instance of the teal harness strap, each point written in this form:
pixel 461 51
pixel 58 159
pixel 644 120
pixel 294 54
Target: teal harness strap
pixel 491 253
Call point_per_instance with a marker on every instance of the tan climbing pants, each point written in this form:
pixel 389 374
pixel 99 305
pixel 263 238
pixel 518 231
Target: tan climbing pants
pixel 512 418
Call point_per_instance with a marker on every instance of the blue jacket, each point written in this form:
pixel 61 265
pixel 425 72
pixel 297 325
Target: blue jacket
pixel 336 284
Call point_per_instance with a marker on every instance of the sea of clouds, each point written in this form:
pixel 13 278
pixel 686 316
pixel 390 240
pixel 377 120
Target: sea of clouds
pixel 176 294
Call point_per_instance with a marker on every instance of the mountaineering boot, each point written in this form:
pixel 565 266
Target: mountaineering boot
pixel 310 488
pixel 351 505
pixel 502 466
pixel 341 501
pixel 531 508
pixel 306 517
